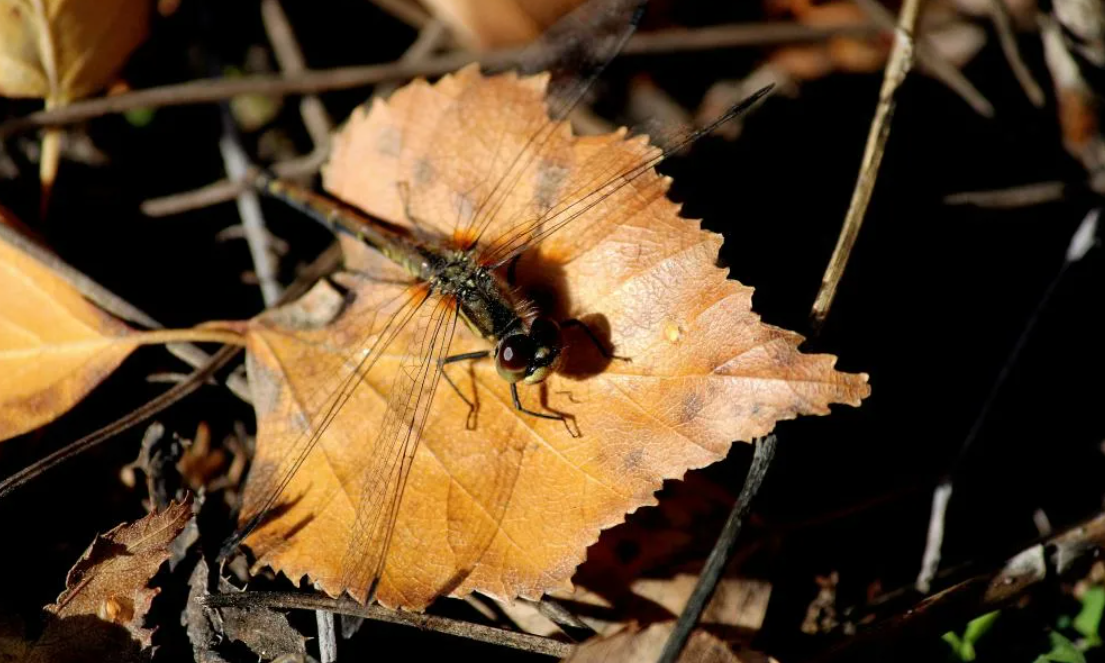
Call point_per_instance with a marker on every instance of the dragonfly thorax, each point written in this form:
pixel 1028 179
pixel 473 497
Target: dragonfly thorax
pixel 527 349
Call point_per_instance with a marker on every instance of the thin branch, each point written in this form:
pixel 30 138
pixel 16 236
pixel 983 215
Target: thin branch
pixel 719 557
pixel 236 163
pixel 489 634
pixel 225 190
pixel 933 63
pixel 116 305
pixel 1003 24
pixel 1081 242
pixel 984 593
pixel 898 66
pixel 1024 195
pixel 218 89
pixel 291 61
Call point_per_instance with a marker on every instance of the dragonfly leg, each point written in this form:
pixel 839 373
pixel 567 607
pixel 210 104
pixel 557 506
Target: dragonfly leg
pixel 576 322
pixel 564 418
pixel 470 423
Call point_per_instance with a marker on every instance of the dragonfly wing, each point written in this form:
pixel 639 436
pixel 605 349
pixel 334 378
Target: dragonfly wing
pixel 382 481
pixel 303 375
pixel 457 159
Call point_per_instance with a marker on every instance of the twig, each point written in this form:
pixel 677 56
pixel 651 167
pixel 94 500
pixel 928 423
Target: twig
pixel 983 593
pixel 1024 195
pixel 224 190
pixel 290 58
pixel 315 81
pixel 294 601
pixel 720 555
pixel 1084 239
pixel 236 162
pixel 327 638
pixel 1003 24
pixel 116 305
pixel 933 62
pixel 897 68
pixel 930 561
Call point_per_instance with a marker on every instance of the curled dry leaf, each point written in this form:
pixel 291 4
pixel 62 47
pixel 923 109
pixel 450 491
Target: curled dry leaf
pixel 484 24
pixel 100 615
pixel 55 346
pixel 509 507
pixel 632 644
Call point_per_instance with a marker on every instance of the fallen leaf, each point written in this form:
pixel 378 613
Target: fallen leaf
pixel 485 24
pixel 100 615
pixel 632 645
pixel 509 508
pixel 55 346
pixel 62 50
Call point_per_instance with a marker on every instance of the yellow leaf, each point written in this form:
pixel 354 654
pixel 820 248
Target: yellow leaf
pixel 55 346
pixel 61 50
pixel 508 506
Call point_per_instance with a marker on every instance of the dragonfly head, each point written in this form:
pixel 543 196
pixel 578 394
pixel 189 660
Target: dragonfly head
pixel 531 356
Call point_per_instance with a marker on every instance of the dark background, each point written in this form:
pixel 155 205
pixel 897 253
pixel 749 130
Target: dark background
pixel 933 301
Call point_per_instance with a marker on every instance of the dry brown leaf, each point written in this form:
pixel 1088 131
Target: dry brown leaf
pixel 633 645
pixel 61 50
pixel 55 346
pixel 508 509
pixel 99 617
pixel 485 24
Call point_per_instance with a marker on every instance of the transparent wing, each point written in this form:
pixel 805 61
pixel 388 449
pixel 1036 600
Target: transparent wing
pixel 382 482
pixel 605 178
pixel 298 408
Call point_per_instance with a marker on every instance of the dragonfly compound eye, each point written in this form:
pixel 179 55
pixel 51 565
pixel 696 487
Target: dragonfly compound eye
pixel 514 357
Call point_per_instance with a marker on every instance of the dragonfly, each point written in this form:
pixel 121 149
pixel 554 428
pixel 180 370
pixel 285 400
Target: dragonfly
pixel 466 277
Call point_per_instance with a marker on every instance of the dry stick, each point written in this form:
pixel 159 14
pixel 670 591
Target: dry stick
pixel 984 593
pixel 290 57
pixel 719 557
pixel 236 162
pixel 1023 195
pixel 1003 23
pixel 218 89
pixel 1084 239
pixel 116 305
pixel 897 68
pixel 294 601
pixel 224 190
pixel 933 62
